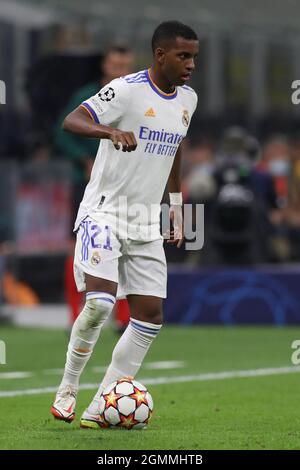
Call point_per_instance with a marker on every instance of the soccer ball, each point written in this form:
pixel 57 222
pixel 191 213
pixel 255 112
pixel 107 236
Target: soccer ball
pixel 125 403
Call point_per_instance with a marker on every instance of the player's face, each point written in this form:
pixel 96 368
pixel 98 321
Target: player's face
pixel 178 61
pixel 116 65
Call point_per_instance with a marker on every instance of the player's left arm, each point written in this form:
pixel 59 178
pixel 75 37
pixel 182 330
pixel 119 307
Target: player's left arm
pixel 174 188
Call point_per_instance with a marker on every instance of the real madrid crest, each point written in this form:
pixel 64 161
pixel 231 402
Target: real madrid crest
pixel 95 259
pixel 185 118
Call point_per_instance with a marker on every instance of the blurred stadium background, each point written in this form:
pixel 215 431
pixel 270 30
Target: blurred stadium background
pixel 244 138
pixel 241 160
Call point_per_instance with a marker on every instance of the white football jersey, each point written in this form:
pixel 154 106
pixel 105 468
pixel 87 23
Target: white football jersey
pixel 128 186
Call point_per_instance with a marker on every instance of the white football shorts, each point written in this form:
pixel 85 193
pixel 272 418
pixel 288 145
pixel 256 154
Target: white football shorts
pixel 139 267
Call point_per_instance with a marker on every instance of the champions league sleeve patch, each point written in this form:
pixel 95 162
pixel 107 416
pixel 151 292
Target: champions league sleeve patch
pixel 107 94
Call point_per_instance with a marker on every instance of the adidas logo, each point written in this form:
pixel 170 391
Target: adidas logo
pixel 150 113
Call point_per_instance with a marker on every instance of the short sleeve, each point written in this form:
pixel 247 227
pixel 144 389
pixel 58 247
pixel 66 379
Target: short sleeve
pixel 195 101
pixel 110 103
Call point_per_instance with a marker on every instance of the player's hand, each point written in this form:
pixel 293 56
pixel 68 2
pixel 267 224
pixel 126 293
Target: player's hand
pixel 126 140
pixel 176 235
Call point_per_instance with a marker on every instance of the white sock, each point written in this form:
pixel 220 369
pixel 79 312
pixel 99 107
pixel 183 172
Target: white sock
pixel 84 335
pixel 128 355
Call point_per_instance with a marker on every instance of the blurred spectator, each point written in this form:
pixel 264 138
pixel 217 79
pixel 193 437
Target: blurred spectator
pixel 276 159
pixel 52 78
pixel 239 216
pixel 294 183
pixel 287 220
pixel 199 184
pixel 40 151
pixel 293 206
pixel 237 227
pixel 295 159
pixel 117 61
pixel 14 131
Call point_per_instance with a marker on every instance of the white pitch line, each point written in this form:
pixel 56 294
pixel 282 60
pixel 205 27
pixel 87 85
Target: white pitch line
pixel 160 365
pixel 15 375
pixel 167 380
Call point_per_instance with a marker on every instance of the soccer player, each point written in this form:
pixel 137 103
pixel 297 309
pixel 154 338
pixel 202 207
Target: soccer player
pixel 141 120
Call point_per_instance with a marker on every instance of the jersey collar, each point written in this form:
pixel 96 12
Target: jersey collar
pixel 162 94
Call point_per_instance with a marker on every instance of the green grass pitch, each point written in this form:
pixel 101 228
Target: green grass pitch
pixel 258 412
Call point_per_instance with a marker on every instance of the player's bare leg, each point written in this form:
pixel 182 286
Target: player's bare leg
pixel 100 300
pixel 146 308
pixel 131 349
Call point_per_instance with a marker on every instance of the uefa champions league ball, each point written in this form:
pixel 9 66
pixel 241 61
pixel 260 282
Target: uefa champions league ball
pixel 125 403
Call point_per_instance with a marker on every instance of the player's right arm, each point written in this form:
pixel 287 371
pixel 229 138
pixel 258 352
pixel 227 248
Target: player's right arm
pixel 79 122
pixel 96 117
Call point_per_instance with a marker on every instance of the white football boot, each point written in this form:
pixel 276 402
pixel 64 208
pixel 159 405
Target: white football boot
pixel 63 407
pixel 91 421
